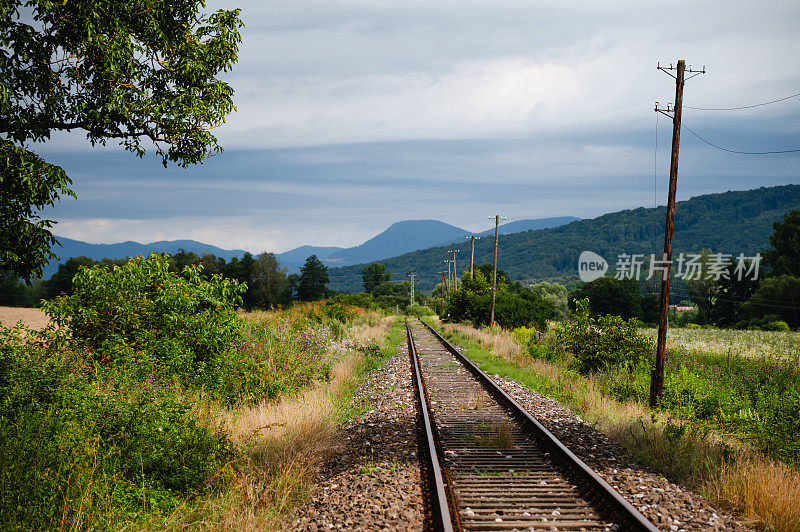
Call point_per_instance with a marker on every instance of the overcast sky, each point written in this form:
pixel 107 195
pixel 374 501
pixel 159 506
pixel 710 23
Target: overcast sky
pixel 355 114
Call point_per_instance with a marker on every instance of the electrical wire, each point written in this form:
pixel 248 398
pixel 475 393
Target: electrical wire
pixel 742 107
pixel 684 126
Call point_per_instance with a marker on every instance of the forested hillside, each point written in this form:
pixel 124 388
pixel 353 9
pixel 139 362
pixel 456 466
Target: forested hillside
pixel 730 222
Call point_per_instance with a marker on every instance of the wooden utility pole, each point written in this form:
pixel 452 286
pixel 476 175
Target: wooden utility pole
pixel 455 272
pixel 472 258
pixel 449 281
pixel 494 267
pixel 657 376
pixel 442 272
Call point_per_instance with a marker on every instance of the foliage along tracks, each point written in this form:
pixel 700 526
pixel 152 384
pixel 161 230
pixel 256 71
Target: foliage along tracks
pixel 489 465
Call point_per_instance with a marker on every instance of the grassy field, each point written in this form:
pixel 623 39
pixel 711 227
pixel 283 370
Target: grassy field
pixel 726 418
pixel 733 342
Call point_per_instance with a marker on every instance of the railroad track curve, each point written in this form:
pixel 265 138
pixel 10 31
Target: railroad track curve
pixel 487 464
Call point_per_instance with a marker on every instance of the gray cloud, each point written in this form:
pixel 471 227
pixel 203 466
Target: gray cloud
pixel 354 114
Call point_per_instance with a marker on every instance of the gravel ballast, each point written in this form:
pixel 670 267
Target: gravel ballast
pixel 373 483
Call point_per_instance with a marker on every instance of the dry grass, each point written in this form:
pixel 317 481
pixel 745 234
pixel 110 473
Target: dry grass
pixel 494 338
pixel 765 492
pixel 282 444
pixel 476 400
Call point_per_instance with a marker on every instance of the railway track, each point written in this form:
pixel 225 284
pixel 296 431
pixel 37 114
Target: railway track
pixel 488 464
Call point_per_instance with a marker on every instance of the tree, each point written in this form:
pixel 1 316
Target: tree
pixel 270 284
pixel 373 275
pixel 61 281
pixel 612 296
pixel 703 290
pixel 312 281
pixel 556 295
pixel 138 72
pixel 785 258
pixel 779 295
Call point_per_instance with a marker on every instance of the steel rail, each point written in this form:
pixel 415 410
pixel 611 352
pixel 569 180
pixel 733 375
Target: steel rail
pixel 603 493
pixel 437 488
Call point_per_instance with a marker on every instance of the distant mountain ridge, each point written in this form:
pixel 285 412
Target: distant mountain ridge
pixel 76 248
pixel 401 237
pixel 520 226
pixel 730 222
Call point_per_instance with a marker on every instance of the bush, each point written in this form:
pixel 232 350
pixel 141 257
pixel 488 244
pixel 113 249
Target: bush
pixel 420 311
pixel 779 325
pixel 473 303
pixel 142 312
pixel 602 342
pixel 92 449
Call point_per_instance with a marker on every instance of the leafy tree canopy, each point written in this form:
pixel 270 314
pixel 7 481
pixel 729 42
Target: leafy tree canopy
pixel 141 72
pixel 312 281
pixel 610 296
pixel 373 275
pixel 785 258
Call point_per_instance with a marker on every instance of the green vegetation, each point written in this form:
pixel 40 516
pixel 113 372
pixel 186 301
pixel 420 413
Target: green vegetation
pixel 110 416
pixel 373 275
pixel 142 72
pixel 617 297
pixel 604 342
pixel 515 304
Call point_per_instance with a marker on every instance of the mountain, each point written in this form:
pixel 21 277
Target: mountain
pixel 400 237
pixel 295 258
pixel 519 226
pixel 75 248
pixel 730 222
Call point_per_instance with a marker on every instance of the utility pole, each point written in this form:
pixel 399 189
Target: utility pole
pixel 494 267
pixel 472 258
pixel 412 275
pixel 455 273
pixel 448 278
pixel 442 272
pixel 657 376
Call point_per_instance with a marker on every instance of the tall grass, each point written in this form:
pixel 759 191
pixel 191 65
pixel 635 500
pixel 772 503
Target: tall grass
pixel 282 443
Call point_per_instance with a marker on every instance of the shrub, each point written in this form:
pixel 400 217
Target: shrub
pixel 90 451
pixel 779 325
pixel 602 342
pixel 473 303
pixel 419 311
pixel 141 311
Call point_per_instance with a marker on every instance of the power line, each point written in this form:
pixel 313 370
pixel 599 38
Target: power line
pixel 683 125
pixel 742 107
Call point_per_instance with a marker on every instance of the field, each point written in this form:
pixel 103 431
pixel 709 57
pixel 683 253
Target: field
pixel 33 318
pixel 736 342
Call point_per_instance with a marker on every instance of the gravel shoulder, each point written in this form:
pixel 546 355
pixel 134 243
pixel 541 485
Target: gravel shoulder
pixel 373 482
pixel 667 505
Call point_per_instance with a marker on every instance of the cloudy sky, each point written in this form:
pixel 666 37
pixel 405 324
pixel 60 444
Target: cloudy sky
pixel 355 114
